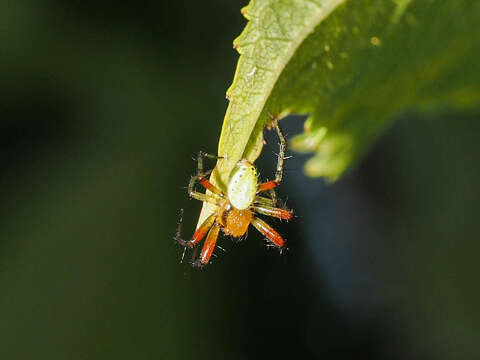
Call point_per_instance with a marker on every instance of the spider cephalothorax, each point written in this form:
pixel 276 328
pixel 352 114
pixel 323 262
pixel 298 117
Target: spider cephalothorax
pixel 236 208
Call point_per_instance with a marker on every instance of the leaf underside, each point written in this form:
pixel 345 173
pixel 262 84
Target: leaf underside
pixel 351 66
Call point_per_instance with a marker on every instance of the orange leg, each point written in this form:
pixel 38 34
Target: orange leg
pixel 198 235
pixel 201 177
pixel 268 185
pixel 205 183
pixel 208 246
pixel 209 186
pixel 273 211
pixel 268 232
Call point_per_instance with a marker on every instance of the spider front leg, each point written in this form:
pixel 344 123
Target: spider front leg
pixel 201 178
pixel 204 197
pixel 200 156
pixel 269 185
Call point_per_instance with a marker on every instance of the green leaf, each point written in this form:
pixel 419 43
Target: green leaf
pixel 352 66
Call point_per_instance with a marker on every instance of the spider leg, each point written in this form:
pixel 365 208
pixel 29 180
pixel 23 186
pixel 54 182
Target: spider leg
pixel 272 211
pixel 267 201
pixel 209 198
pixel 208 246
pixel 262 200
pixel 281 157
pixel 267 231
pixel 178 234
pixel 273 195
pixel 201 178
pixel 201 155
pixel 198 235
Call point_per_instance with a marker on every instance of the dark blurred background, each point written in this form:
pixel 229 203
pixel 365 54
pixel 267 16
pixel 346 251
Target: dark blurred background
pixel 102 106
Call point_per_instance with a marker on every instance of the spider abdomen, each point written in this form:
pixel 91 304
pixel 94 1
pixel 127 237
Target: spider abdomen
pixel 242 186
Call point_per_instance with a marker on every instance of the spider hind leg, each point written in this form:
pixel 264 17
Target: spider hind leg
pixel 273 211
pixel 208 247
pixel 198 235
pixel 270 233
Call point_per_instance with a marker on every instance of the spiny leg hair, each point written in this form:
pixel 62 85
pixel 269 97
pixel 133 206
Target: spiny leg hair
pixel 201 178
pixel 269 185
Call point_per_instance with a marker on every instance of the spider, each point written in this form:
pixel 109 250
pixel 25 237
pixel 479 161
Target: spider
pixel 236 208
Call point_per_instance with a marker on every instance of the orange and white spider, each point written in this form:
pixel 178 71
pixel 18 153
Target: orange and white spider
pixel 237 208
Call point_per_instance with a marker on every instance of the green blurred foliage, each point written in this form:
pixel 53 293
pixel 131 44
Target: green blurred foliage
pixel 103 105
pixel 102 108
